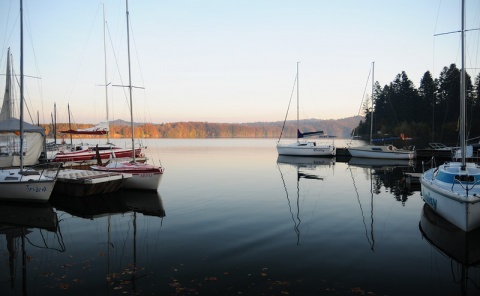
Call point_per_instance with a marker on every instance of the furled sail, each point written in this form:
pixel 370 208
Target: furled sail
pixel 100 129
pixel 310 134
pixel 6 112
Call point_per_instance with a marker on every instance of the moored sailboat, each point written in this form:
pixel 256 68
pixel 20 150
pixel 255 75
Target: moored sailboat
pixel 144 176
pixel 379 151
pixel 452 189
pixel 305 148
pixel 34 183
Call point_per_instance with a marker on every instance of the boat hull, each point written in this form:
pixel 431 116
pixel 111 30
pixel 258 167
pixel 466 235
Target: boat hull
pixel 382 152
pixel 144 176
pixel 90 154
pixel 447 196
pixel 25 188
pixel 306 149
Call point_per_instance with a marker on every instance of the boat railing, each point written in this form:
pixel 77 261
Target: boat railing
pixel 50 170
pixel 431 162
pixel 465 186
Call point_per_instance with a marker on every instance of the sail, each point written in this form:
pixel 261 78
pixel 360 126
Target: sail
pixel 100 129
pixel 310 134
pixel 6 112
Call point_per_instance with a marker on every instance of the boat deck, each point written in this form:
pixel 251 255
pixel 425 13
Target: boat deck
pixel 84 182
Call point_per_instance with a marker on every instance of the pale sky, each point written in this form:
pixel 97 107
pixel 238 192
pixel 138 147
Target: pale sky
pixel 227 61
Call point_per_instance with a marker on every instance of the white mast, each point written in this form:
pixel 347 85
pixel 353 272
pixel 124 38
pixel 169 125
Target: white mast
pixel 106 76
pixel 21 85
pixel 130 85
pixel 462 91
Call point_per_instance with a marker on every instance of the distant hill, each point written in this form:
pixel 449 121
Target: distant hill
pixel 340 128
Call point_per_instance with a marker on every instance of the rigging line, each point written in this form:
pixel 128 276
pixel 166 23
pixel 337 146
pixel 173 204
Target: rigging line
pixel 119 72
pixel 298 206
pixel 37 67
pixel 80 62
pixel 295 227
pixel 139 67
pixel 364 91
pixel 361 208
pixel 6 29
pixel 288 108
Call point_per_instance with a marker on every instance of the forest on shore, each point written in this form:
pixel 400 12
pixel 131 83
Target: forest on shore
pixel 122 129
pixel 430 112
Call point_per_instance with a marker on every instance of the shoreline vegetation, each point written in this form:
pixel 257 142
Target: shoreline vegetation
pixel 428 113
pixel 121 129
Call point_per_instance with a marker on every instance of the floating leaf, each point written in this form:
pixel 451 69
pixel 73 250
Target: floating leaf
pixel 356 290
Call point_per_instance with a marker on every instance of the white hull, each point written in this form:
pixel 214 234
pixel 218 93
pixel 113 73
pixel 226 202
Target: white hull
pixel 306 149
pixel 448 197
pixel 25 188
pixel 144 176
pixel 383 152
pixel 146 181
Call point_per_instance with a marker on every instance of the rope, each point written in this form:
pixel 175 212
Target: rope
pixel 289 103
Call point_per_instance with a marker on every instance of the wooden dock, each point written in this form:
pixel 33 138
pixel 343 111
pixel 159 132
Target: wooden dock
pixel 84 182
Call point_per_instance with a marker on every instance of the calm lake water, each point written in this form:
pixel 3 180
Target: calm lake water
pixel 233 218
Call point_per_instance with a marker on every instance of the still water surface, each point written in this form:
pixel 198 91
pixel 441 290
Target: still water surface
pixel 233 218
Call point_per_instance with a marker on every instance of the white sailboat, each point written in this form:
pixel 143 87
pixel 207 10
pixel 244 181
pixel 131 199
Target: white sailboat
pixel 379 151
pixel 452 189
pixel 144 176
pixel 305 148
pixel 25 183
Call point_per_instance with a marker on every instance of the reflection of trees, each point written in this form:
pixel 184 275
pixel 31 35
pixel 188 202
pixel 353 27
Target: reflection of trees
pixel 392 179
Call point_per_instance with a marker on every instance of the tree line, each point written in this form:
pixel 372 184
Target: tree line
pixel 430 112
pixel 122 129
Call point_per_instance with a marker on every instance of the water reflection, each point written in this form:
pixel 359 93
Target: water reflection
pixel 124 201
pixel 387 173
pixel 117 213
pixel 306 168
pixel 27 225
pixel 461 248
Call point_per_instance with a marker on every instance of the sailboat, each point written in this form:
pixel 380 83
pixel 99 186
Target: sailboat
pixel 305 148
pixel 23 183
pixel 379 151
pixel 144 176
pixel 84 152
pixel 452 189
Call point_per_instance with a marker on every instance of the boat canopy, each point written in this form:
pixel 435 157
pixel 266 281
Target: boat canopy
pixel 33 145
pixel 12 125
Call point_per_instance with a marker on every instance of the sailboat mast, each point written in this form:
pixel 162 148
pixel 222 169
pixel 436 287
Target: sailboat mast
pixel 373 89
pixel 462 91
pixel 69 124
pixel 130 83
pixel 106 73
pixel 21 85
pixel 298 102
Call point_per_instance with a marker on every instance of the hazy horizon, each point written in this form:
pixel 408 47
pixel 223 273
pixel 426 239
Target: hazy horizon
pixel 227 62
